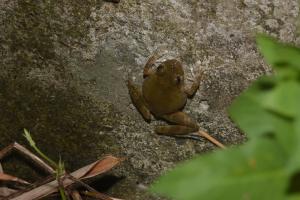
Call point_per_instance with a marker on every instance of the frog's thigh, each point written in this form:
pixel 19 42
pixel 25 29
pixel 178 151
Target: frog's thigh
pixel 183 124
pixel 138 100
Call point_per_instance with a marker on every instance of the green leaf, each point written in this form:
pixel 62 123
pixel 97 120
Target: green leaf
pixel 278 54
pixel 254 171
pixel 251 117
pixel 293 197
pixel 285 134
pixel 294 162
pixel 267 108
pixel 28 137
pixel 284 98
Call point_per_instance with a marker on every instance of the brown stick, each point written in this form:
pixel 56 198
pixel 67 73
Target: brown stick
pixel 75 195
pixel 211 139
pixel 99 195
pixel 5 191
pixel 96 195
pixel 51 187
pixel 25 152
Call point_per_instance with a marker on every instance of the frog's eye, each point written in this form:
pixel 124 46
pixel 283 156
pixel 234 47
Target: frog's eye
pixel 178 79
pixel 160 69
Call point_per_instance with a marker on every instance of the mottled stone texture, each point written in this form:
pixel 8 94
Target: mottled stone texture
pixel 63 65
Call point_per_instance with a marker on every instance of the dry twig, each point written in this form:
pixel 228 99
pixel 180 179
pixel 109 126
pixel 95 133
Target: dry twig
pixel 5 191
pixel 25 152
pixel 211 139
pixel 50 185
pixel 82 173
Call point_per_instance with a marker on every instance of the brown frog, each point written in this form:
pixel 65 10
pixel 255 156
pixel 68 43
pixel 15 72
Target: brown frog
pixel 164 94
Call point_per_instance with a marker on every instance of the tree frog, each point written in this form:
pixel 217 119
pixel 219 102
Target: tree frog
pixel 164 95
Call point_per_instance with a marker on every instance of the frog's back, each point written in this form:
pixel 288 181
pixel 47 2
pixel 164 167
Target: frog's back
pixel 163 99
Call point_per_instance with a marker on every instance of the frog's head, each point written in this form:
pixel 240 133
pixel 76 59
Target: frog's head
pixel 171 71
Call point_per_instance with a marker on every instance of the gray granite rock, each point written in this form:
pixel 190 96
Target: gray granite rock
pixel 63 66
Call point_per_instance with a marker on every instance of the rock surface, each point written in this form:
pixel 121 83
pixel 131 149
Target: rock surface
pixel 63 66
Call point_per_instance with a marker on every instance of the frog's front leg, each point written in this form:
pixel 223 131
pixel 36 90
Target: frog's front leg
pixel 192 89
pixel 138 100
pixel 181 124
pixel 148 69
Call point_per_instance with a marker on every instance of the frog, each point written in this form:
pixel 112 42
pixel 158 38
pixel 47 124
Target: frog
pixel 164 94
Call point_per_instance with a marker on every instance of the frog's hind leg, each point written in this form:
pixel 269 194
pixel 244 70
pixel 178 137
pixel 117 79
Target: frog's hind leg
pixel 183 124
pixel 138 100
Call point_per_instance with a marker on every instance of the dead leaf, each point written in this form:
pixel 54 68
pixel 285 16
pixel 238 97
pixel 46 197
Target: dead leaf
pixel 99 196
pixel 5 191
pixel 7 177
pixel 85 172
pixel 102 166
pixel 75 195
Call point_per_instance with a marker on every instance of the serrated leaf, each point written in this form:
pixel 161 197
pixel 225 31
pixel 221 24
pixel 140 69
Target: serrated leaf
pixel 293 197
pixel 254 171
pixel 278 54
pixel 284 98
pixel 285 134
pixel 251 117
pixel 294 161
pixel 266 108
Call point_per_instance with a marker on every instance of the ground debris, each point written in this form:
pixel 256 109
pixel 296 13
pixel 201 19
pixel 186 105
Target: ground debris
pixel 50 184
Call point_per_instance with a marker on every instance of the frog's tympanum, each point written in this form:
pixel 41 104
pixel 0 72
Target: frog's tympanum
pixel 164 94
